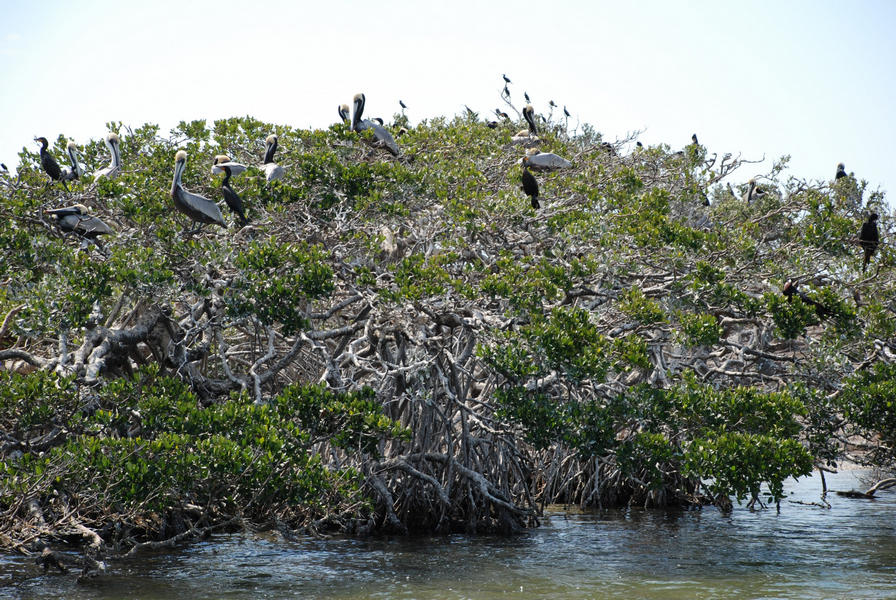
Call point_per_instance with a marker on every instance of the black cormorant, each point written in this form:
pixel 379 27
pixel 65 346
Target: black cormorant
pixel 694 139
pixel 566 112
pixel 506 79
pixel 234 202
pixel 790 289
pixel 49 164
pixel 526 96
pixel 402 105
pixel 869 238
pixel 530 185
pixel 841 171
pixel 198 208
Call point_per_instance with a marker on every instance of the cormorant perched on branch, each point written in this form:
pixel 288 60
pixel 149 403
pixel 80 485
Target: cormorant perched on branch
pixel 502 114
pixel 869 238
pixel 530 185
pixel 382 138
pixel 403 107
pixel 566 112
pixel 49 164
pixel 234 202
pixel 198 208
pixel 272 170
pixel 841 171
pixel 74 219
pixel 114 168
pixel 790 289
pixel 506 79
pixel 526 96
pixel 694 139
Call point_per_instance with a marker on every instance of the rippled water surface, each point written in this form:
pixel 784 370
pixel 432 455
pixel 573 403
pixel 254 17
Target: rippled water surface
pixel 848 551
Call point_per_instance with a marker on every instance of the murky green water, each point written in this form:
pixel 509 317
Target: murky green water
pixel 848 551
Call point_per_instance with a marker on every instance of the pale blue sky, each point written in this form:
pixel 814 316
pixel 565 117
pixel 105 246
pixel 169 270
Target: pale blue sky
pixel 813 79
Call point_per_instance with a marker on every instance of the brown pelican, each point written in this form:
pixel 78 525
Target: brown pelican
pixel 114 168
pixel 74 219
pixel 234 202
pixel 841 171
pixel 77 169
pixel 529 115
pixel 546 161
pixel 530 185
pixel 753 192
pixel 532 133
pixel 345 114
pixel 382 138
pixel 51 167
pixel 222 160
pixel 272 170
pixel 198 208
pixel 869 238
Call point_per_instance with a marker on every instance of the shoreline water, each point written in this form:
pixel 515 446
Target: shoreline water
pixel 803 551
